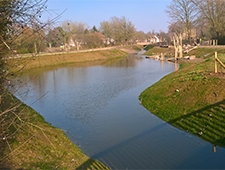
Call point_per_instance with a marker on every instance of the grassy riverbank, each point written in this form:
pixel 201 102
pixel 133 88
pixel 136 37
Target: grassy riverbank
pixel 27 141
pixel 27 63
pixel 192 98
pixel 31 143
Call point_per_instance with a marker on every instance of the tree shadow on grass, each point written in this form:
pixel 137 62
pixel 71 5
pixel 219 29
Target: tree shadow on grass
pixel 91 164
pixel 208 123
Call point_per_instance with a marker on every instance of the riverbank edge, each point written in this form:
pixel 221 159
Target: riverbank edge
pixel 80 160
pixel 24 64
pixel 185 98
pixel 36 144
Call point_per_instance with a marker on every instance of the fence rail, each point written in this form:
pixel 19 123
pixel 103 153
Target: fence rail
pixel 217 60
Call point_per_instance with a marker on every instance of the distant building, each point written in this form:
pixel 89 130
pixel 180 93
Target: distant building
pixel 72 43
pixel 154 39
pixel 108 41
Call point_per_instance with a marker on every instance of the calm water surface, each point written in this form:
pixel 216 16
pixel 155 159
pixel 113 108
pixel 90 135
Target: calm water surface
pixel 99 110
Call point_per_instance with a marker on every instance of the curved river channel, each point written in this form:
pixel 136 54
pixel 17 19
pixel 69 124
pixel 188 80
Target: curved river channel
pixel 99 110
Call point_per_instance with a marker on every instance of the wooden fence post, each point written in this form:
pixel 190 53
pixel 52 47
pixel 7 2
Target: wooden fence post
pixel 180 47
pixel 215 62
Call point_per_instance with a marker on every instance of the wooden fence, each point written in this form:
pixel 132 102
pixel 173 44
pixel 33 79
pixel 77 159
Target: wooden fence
pixel 217 60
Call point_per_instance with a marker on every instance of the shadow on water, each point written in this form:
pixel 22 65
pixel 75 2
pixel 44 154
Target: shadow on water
pixel 112 155
pixel 124 143
pixel 208 123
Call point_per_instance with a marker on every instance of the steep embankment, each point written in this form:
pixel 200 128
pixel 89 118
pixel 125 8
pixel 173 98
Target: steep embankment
pixel 192 98
pixel 27 63
pixel 27 141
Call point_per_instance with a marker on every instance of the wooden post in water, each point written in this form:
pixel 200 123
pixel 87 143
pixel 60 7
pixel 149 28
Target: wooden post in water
pixel 215 62
pixel 214 148
pixel 162 56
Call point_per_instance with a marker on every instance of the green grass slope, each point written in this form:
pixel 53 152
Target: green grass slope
pixel 192 98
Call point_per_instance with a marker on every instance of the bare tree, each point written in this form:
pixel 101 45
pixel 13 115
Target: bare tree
pixel 123 30
pixel 164 37
pixel 120 29
pixel 176 27
pixel 56 36
pixel 75 31
pixel 79 35
pixel 20 21
pixel 140 36
pixel 212 13
pixel 184 11
pixel 94 40
pixel 107 30
pixel 149 35
pixel 15 15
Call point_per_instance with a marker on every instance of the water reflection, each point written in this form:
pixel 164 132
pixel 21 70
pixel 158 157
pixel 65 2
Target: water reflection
pixel 98 105
pixel 214 148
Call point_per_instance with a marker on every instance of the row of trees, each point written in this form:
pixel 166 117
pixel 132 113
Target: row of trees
pixel 74 33
pixel 29 38
pixel 25 33
pixel 207 17
pixel 115 31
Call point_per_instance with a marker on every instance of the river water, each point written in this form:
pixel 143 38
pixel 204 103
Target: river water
pixel 98 108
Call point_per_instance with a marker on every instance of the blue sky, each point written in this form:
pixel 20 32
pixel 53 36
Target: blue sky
pixel 146 15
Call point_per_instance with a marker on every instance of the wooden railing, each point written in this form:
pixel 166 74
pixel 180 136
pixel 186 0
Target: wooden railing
pixel 217 60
